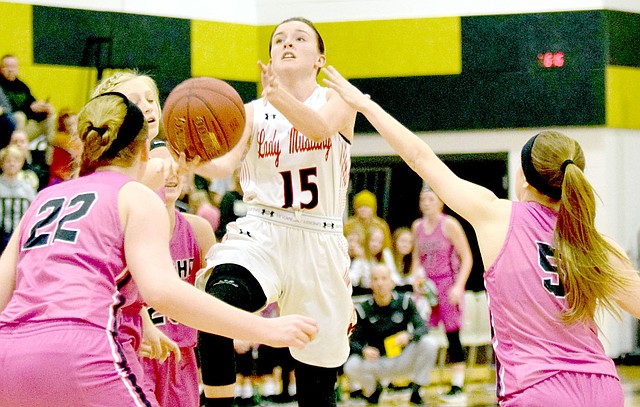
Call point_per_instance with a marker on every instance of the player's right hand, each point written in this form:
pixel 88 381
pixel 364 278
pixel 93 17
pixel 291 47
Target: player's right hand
pixel 290 331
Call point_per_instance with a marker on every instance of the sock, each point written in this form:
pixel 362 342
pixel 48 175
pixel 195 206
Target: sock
pixel 457 379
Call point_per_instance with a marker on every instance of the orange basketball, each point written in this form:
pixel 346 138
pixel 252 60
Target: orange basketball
pixel 203 117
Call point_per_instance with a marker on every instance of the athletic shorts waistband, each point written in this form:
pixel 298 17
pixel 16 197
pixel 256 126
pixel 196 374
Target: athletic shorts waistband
pixel 296 219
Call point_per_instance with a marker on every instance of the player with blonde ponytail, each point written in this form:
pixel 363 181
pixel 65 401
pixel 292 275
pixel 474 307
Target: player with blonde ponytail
pixel 61 276
pixel 548 266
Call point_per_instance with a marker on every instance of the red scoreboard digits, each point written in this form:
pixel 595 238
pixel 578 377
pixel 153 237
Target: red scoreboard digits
pixel 551 59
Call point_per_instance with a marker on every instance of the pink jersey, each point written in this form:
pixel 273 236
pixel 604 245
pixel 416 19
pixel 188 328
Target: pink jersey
pixel 185 253
pixel 526 301
pixel 71 251
pixel 176 383
pixel 63 312
pixel 436 252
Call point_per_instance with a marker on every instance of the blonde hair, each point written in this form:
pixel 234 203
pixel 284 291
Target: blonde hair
pixel 109 84
pixel 99 123
pixel 11 151
pixel 582 254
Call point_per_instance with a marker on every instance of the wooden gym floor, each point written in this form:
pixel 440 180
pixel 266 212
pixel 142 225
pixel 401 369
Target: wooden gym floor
pixel 479 389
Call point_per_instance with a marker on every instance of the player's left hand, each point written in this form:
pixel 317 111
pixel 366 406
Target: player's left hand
pixel 349 93
pixel 156 345
pixel 456 294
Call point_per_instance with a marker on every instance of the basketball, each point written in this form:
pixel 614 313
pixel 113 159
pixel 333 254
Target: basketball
pixel 203 117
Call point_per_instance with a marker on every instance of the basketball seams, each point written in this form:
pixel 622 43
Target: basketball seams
pixel 205 105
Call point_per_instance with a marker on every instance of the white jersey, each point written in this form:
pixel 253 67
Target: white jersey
pixel 286 170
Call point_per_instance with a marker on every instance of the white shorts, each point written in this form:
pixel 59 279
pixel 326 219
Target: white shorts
pixel 301 262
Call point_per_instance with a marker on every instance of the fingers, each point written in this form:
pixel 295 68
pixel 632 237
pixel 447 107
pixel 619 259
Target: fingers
pixel 176 352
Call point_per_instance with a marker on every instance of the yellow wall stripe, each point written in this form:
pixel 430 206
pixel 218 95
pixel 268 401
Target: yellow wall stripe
pixel 622 100
pixel 389 48
pixel 224 50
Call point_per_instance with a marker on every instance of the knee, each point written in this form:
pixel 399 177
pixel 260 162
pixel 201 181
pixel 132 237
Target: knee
pixel 352 366
pixel 427 344
pixel 236 286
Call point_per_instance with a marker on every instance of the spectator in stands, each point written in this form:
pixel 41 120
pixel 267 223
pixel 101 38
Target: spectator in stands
pixel 378 250
pixel 359 267
pixel 35 168
pixel 34 116
pixel 65 147
pixel 16 194
pixel 389 341
pixel 365 206
pixel 7 124
pixel 402 251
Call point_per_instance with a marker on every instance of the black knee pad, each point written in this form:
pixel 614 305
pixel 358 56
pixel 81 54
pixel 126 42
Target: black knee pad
pixel 456 352
pixel 236 286
pixel 315 385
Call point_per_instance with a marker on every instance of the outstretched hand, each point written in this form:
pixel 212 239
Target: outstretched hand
pixel 270 83
pixel 290 331
pixel 349 93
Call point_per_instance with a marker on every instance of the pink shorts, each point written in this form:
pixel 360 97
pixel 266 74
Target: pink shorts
pixel 174 384
pixel 570 389
pixel 61 364
pixel 450 315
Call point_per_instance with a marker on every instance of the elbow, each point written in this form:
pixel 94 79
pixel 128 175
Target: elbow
pixel 159 295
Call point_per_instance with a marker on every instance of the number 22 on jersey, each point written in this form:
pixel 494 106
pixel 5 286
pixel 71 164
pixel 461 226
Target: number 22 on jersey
pixel 59 216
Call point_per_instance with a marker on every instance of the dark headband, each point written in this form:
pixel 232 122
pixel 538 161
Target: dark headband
pixel 129 129
pixel 531 174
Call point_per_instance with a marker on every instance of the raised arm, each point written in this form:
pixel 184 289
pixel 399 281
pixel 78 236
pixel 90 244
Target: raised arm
pixel 473 202
pixel 335 116
pixel 146 229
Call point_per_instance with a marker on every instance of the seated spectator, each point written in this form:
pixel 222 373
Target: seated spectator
pixel 33 116
pixel 365 206
pixel 35 167
pixel 65 148
pixel 16 194
pixel 7 124
pixel 378 251
pixel 359 267
pixel 389 341
pixel 402 251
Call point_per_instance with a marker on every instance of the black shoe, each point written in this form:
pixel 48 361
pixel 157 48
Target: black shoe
pixel 415 398
pixel 282 398
pixel 356 394
pixel 454 396
pixel 374 398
